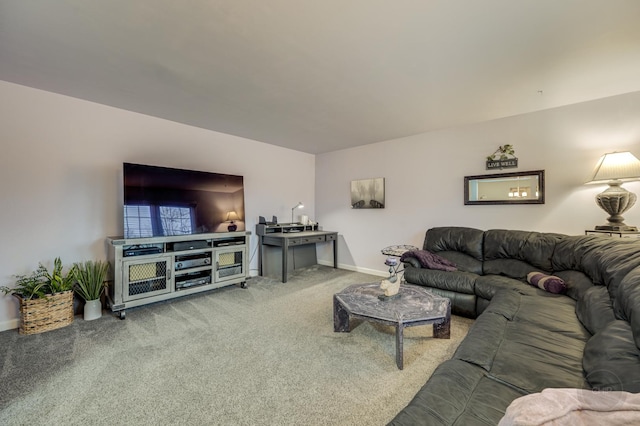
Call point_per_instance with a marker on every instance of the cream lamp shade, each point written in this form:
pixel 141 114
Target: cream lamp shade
pixel 613 169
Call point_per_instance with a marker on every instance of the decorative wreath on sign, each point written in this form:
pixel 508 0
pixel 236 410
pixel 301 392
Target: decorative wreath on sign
pixel 502 153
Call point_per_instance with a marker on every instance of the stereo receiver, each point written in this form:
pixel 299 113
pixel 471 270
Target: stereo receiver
pixel 192 261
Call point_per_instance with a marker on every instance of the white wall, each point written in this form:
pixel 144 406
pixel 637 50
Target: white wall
pixel 60 183
pixel 61 159
pixel 424 178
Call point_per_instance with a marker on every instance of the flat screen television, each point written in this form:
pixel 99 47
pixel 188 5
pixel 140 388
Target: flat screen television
pixel 162 201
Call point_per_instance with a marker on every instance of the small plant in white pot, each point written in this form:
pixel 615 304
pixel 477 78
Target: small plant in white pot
pixel 90 282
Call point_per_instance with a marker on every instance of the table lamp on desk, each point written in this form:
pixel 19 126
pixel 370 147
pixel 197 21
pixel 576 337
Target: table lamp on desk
pixel 298 206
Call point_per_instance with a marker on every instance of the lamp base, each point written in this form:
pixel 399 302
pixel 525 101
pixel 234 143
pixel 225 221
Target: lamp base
pixel 616 200
pixel 617 228
pixel 232 227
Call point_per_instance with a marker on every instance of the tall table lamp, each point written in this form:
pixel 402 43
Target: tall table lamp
pixel 297 206
pixel 615 168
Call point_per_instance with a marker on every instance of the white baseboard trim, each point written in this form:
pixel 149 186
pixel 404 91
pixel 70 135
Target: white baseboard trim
pixel 9 325
pixel 356 269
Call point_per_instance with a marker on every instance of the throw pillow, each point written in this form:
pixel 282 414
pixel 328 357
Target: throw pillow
pixel 429 260
pixel 549 283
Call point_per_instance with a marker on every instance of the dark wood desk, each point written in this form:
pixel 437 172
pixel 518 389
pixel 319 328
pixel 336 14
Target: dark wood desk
pixel 292 235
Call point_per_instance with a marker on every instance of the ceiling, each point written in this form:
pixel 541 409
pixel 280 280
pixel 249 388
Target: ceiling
pixel 324 75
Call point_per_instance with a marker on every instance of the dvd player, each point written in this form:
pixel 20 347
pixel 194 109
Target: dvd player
pixel 192 282
pixel 141 251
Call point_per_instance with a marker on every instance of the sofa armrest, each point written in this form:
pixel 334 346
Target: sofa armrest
pixel 412 261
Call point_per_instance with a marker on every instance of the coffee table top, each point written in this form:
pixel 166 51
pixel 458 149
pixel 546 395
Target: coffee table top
pixel 415 303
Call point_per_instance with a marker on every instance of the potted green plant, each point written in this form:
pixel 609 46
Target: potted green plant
pixel 90 282
pixel 46 299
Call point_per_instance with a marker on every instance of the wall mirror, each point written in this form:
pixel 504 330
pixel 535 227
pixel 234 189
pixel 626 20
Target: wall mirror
pixel 505 188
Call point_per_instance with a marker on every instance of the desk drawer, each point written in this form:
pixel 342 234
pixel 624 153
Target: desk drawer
pixel 332 237
pixel 294 241
pixel 314 239
pixel 306 240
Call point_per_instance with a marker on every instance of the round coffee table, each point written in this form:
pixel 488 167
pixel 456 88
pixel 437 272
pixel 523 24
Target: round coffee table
pixel 415 306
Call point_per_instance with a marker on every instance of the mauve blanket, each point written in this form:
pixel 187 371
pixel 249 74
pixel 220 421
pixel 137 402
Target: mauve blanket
pixel 561 407
pixel 429 260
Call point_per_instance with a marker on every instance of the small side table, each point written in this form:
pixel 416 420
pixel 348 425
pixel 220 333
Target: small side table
pixel 621 234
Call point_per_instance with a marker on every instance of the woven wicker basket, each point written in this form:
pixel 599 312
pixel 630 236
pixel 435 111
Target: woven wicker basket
pixel 40 315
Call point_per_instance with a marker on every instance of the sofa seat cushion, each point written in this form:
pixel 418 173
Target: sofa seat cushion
pixel 612 359
pixel 529 342
pixel 458 394
pixel 553 313
pixel 542 346
pixel 532 359
pixel 487 286
pixel 512 268
pixel 483 341
pixel 458 281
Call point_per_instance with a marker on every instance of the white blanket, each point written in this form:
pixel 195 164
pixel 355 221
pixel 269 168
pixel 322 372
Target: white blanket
pixel 574 407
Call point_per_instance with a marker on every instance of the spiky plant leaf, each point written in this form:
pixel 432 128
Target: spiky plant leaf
pixel 90 278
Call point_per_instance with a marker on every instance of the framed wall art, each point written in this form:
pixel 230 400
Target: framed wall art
pixel 367 193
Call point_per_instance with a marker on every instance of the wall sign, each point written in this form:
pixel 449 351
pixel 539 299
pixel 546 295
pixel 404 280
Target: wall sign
pixel 503 158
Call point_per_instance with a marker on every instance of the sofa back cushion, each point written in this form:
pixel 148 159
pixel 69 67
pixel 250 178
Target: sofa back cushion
pixel 516 253
pixel 462 246
pixel 594 309
pixel 606 261
pixel 627 302
pixel 617 262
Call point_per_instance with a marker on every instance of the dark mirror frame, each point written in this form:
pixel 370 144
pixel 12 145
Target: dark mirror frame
pixel 539 200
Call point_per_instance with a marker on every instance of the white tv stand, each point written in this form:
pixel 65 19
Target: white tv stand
pixel 148 270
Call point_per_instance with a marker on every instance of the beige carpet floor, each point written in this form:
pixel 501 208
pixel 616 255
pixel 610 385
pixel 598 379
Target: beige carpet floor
pixel 265 355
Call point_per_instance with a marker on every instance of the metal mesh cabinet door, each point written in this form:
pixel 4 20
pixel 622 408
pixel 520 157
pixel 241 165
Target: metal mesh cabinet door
pixel 230 263
pixel 146 277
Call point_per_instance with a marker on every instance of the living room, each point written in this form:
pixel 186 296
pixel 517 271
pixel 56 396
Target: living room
pixel 62 165
pixel 62 158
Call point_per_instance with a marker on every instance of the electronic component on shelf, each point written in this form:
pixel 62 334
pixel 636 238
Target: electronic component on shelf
pixel 192 280
pixel 233 241
pixel 192 261
pixel 140 250
pixel 190 245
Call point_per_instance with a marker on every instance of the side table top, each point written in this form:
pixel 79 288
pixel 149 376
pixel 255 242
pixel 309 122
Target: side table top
pixel 414 304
